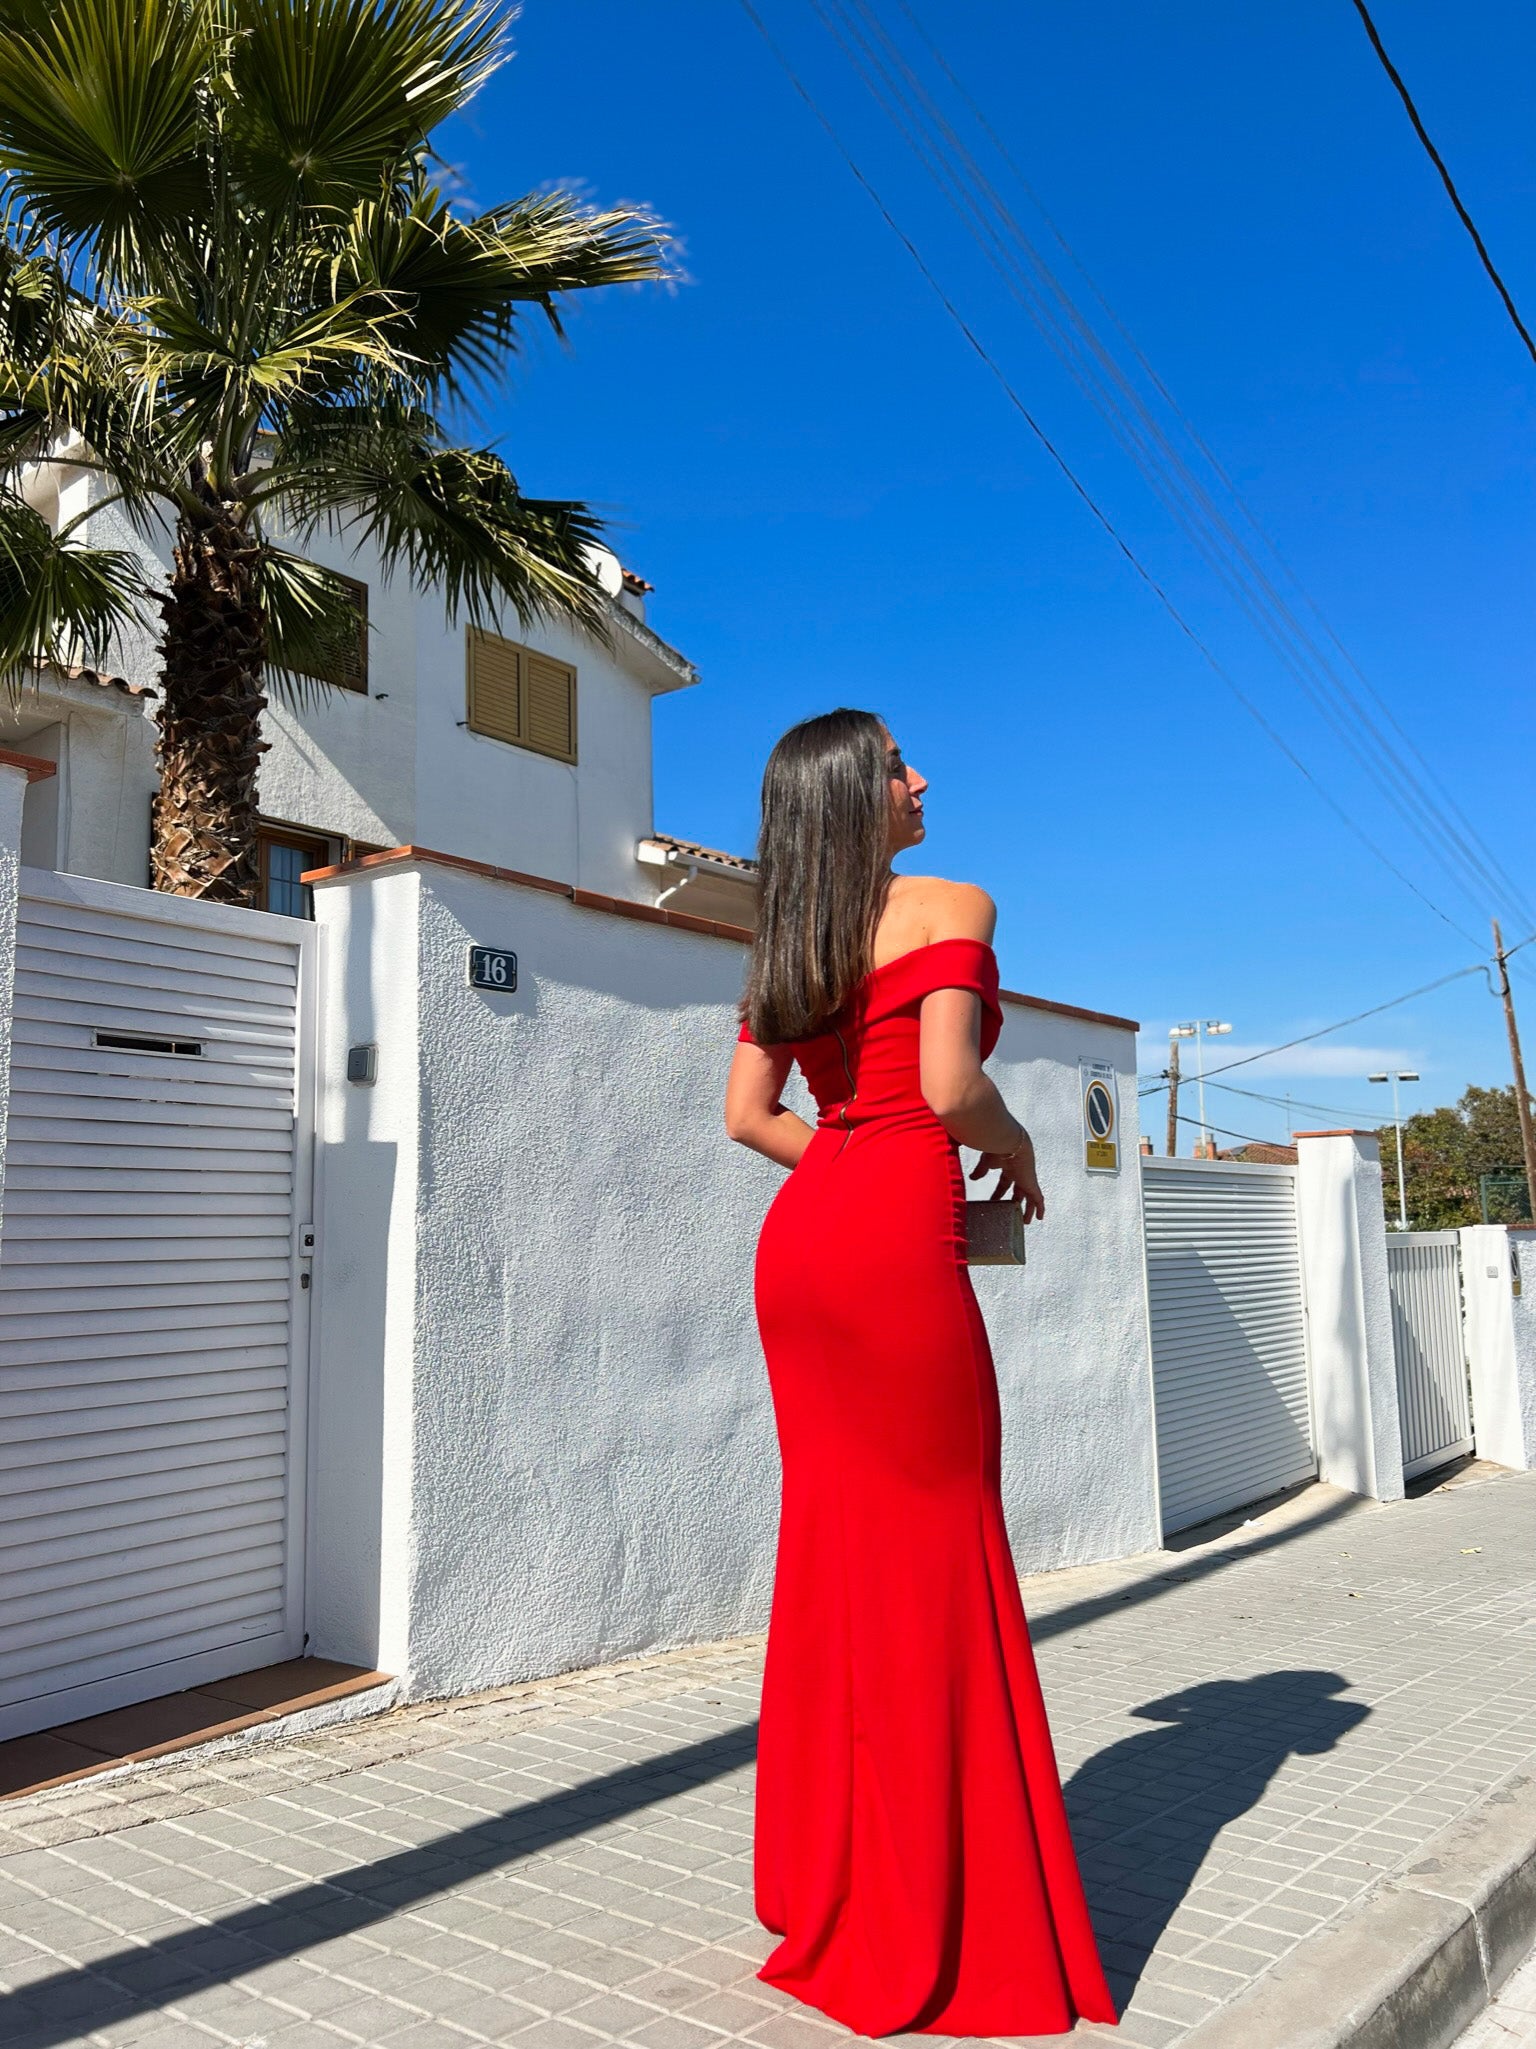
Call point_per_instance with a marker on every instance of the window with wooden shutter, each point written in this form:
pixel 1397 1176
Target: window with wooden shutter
pixel 348 670
pixel 522 696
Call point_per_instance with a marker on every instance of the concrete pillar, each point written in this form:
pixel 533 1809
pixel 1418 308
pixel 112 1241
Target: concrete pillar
pixel 16 771
pixel 364 1312
pixel 1498 1285
pixel 1349 1312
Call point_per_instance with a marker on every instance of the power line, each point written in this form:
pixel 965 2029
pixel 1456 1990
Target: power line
pixel 979 348
pixel 1286 1103
pixel 1248 1137
pixel 1458 974
pixel 1447 837
pixel 1445 177
pixel 1198 442
pixel 1376 1009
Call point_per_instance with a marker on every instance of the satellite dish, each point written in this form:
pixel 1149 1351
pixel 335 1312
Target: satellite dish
pixel 605 566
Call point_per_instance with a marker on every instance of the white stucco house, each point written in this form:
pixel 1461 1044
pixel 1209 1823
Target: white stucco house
pixel 528 750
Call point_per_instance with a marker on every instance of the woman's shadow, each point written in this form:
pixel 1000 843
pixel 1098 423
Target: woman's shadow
pixel 1145 1811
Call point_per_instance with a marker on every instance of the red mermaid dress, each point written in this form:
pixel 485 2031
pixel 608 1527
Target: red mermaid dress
pixel 912 1847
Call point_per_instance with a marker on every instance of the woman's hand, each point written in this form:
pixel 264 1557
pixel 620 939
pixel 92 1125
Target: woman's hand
pixel 1017 1179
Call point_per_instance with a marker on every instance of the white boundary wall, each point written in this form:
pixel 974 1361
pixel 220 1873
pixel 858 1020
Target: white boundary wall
pixel 1349 1312
pixel 543 1435
pixel 1501 1340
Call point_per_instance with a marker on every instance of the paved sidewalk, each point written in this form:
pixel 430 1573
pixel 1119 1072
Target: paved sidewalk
pixel 1254 1733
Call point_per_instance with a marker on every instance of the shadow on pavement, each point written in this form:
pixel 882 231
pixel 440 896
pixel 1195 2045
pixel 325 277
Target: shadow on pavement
pixel 1146 1811
pixel 143 1978
pixel 1187 1572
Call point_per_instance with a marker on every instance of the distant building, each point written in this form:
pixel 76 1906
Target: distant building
pixel 1260 1153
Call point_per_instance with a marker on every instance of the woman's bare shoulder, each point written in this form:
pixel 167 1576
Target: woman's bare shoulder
pixel 931 908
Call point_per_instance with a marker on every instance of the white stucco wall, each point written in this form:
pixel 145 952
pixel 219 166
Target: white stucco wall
pixel 1349 1312
pixel 1501 1340
pixel 92 817
pixel 396 765
pixel 569 1348
pixel 1069 1333
pixel 363 1318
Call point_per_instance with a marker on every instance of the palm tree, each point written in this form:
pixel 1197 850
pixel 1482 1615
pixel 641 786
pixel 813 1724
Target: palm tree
pixel 233 285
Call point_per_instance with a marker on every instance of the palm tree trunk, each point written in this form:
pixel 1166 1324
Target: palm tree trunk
pixel 211 699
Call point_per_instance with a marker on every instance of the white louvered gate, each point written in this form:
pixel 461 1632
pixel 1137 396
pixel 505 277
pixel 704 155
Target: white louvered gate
pixel 1433 1400
pixel 1229 1348
pixel 153 1325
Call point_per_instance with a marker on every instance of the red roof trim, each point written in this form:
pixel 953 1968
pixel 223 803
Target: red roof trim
pixel 38 770
pixel 1348 1132
pixel 623 907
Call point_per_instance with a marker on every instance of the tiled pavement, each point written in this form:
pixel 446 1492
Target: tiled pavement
pixel 1254 1733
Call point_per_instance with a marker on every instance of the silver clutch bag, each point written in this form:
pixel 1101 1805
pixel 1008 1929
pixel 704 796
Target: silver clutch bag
pixel 994 1234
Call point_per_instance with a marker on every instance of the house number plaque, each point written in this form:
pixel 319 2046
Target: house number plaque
pixel 492 967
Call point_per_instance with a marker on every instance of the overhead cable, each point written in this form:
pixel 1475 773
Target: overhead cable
pixel 1159 1084
pixel 877 60
pixel 981 351
pixel 1202 448
pixel 1324 1031
pixel 1445 177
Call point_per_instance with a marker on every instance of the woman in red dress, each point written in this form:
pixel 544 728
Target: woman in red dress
pixel 912 1848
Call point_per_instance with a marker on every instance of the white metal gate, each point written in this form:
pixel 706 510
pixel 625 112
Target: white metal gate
pixel 1229 1349
pixel 1434 1405
pixel 153 1298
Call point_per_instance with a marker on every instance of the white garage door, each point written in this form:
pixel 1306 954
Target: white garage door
pixel 1229 1349
pixel 152 1317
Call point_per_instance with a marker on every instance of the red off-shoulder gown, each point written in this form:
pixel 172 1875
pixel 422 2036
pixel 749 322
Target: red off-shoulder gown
pixel 912 1847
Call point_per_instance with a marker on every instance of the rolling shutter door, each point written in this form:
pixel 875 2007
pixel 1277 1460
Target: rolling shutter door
pixel 1229 1355
pixel 150 1327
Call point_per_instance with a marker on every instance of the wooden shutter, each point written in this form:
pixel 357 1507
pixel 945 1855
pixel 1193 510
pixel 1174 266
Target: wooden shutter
pixel 551 705
pixel 521 696
pixel 495 686
pixel 347 668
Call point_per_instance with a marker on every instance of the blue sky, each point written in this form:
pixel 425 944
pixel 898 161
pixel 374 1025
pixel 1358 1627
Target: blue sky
pixel 838 504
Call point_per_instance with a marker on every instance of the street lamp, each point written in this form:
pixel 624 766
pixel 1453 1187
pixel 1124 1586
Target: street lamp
pixel 1205 1028
pixel 1402 1193
pixel 1175 1033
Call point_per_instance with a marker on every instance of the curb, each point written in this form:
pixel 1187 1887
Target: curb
pixel 1420 1959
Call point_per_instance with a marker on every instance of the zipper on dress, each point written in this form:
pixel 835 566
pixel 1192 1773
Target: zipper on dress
pixel 852 1096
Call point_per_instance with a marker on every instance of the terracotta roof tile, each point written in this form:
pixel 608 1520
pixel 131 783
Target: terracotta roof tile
pixel 692 850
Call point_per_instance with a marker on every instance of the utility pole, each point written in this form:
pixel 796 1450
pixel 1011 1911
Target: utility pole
pixel 1173 1097
pixel 1522 1098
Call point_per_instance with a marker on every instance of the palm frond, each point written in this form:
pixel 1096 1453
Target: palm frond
pixel 326 95
pixel 312 624
pixel 460 284
pixel 453 517
pixel 69 384
pixel 57 601
pixel 100 123
pixel 208 381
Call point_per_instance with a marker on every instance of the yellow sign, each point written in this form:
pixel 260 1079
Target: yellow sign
pixel 1101 1116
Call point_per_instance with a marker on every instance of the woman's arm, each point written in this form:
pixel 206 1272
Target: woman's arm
pixel 966 1101
pixel 754 1115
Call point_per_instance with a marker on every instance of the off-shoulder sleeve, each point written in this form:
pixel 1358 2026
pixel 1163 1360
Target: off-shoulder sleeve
pixel 946 964
pixel 744 1036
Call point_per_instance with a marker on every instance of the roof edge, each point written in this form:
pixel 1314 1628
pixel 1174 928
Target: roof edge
pixel 364 865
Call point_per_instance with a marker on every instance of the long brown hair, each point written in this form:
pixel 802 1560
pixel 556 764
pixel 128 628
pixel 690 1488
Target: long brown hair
pixel 824 866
